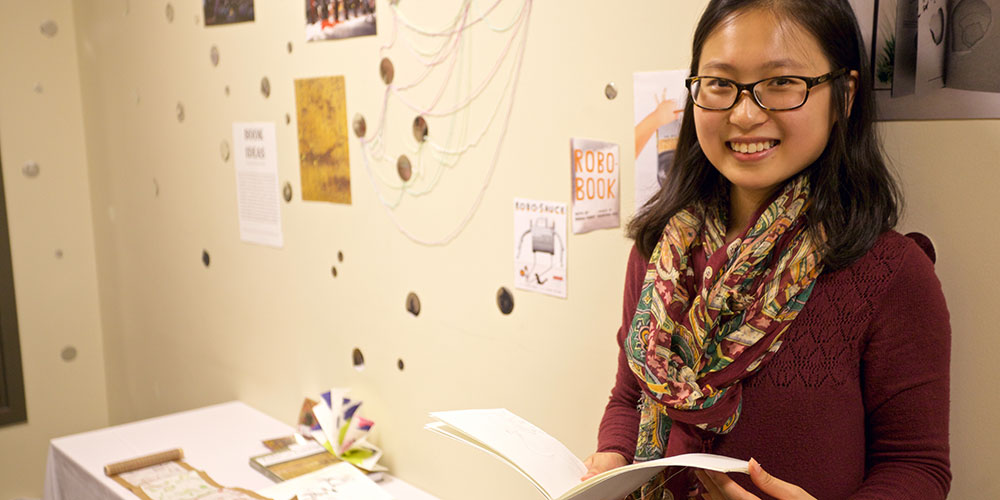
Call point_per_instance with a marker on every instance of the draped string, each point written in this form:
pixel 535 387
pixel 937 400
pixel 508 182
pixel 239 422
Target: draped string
pixel 431 159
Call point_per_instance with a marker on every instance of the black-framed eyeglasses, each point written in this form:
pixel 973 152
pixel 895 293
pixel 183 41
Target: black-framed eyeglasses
pixel 778 93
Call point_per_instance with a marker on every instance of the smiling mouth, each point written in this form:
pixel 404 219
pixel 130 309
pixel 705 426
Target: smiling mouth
pixel 752 147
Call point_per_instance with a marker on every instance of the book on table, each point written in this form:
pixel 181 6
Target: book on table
pixel 293 461
pixel 549 465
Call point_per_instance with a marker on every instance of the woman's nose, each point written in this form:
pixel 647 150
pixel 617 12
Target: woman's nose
pixel 746 114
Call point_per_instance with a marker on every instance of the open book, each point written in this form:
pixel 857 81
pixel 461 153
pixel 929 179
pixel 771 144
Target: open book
pixel 549 465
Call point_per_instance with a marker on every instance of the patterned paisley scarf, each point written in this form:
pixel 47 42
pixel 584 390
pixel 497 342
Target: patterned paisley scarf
pixel 690 346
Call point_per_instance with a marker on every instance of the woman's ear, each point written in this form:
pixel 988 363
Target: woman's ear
pixel 852 88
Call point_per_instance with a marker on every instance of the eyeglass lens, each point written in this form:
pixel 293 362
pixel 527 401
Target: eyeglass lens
pixel 773 93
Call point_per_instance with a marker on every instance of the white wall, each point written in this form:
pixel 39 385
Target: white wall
pixel 57 301
pixel 272 326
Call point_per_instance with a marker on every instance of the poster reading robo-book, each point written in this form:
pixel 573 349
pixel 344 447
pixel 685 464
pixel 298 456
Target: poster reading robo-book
pixel 595 185
pixel 540 246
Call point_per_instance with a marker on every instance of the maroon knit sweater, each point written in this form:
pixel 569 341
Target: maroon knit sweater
pixel 855 402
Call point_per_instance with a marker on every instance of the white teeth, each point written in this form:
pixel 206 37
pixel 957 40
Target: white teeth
pixel 751 147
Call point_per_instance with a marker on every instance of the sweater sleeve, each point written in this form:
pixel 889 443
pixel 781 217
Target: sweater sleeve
pixel 620 425
pixel 905 377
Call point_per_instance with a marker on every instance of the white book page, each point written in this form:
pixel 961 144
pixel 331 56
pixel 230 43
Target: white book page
pixel 452 433
pixel 616 483
pixel 534 452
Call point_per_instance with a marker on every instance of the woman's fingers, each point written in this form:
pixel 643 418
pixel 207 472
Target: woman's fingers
pixel 727 488
pixel 714 493
pixel 722 487
pixel 774 486
pixel 600 462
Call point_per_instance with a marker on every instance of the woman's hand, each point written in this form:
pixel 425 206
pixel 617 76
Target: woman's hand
pixel 721 487
pixel 600 462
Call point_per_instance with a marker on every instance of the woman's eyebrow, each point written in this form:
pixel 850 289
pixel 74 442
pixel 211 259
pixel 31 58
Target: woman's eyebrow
pixel 769 65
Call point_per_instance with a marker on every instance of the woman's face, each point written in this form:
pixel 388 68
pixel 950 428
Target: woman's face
pixel 746 48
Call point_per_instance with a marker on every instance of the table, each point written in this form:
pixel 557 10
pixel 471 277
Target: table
pixel 218 439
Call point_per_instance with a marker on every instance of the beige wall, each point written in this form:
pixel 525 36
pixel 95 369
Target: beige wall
pixel 950 172
pixel 57 300
pixel 270 326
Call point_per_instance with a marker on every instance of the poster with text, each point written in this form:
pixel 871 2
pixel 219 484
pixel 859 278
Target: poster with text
pixel 540 246
pixel 336 19
pixel 256 160
pixel 227 11
pixel 659 106
pixel 933 59
pixel 595 167
pixel 323 160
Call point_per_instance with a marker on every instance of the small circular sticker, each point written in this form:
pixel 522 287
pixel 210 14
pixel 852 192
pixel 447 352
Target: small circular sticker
pixel 420 129
pixel 413 304
pixel 505 301
pixel 403 168
pixel 386 70
pixel 358 359
pixel 360 128
pixel 610 91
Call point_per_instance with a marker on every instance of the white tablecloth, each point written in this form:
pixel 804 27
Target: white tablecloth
pixel 218 439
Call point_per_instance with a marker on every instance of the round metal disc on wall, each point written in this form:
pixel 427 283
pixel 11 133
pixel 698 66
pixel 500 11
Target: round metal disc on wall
pixel 50 28
pixel 265 87
pixel 213 55
pixel 404 168
pixel 68 353
pixel 31 169
pixel 413 304
pixel 170 13
pixel 420 129
pixel 286 192
pixel 358 359
pixel 359 125
pixel 610 91
pixel 386 70
pixel 505 301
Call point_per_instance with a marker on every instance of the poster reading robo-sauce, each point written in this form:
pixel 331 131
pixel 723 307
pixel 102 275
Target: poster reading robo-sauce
pixel 540 246
pixel 595 185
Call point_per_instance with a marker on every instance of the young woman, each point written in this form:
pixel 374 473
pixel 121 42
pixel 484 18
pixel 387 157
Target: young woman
pixel 770 311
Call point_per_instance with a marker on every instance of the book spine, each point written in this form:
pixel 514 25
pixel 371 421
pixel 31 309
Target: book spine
pixel 257 466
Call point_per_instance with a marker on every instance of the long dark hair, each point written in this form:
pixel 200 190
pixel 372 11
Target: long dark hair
pixel 854 196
